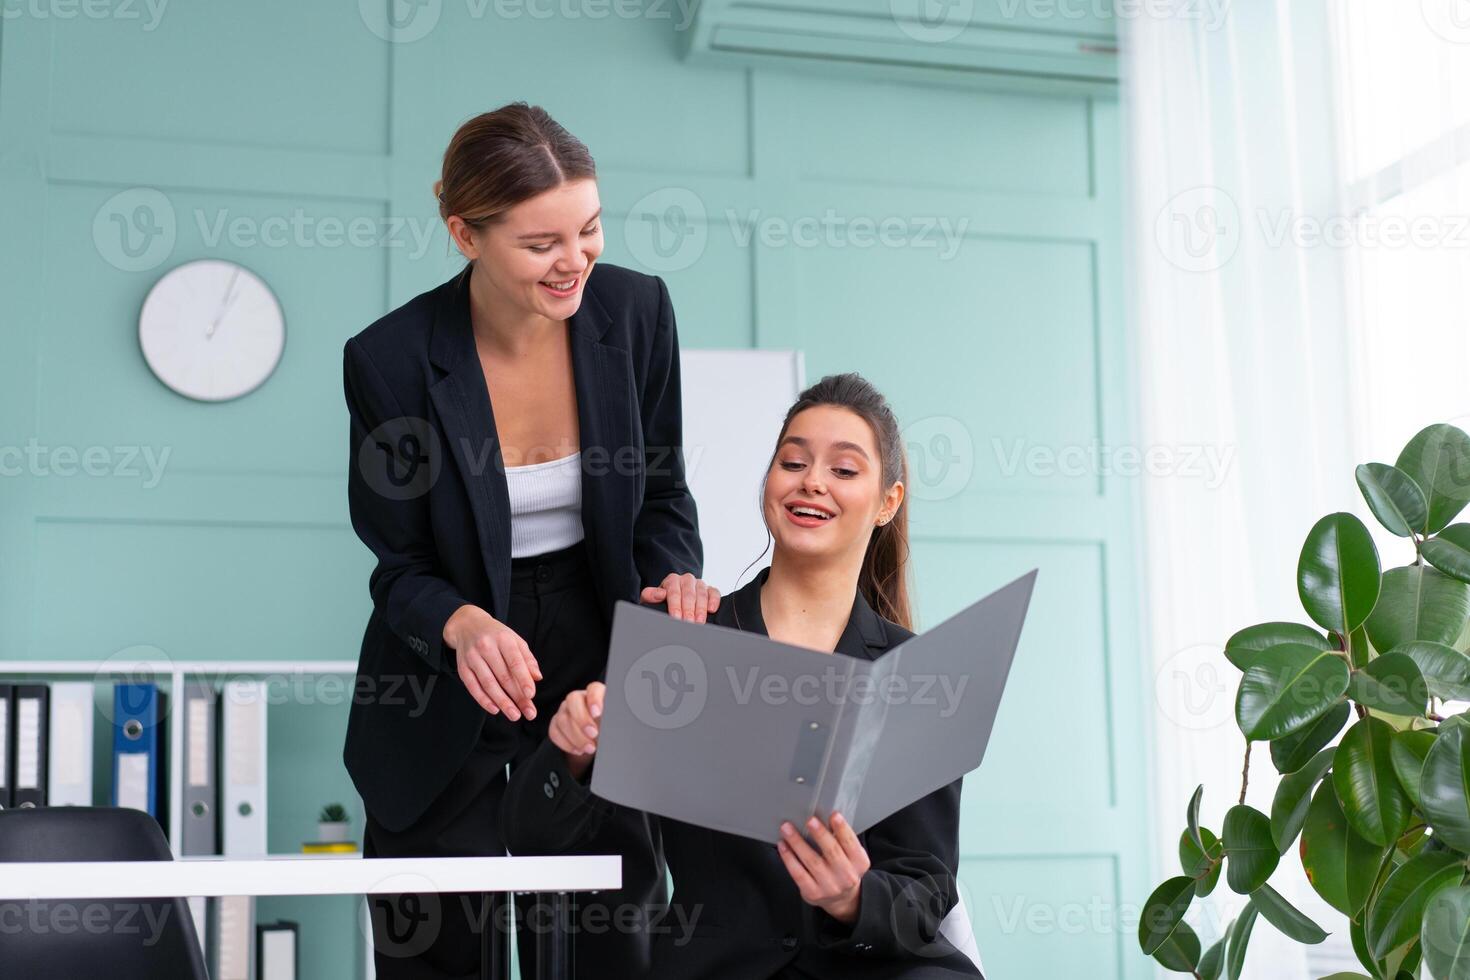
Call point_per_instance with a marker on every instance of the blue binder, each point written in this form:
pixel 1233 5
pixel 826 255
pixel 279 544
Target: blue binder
pixel 138 749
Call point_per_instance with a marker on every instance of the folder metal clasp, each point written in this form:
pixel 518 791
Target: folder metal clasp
pixel 811 750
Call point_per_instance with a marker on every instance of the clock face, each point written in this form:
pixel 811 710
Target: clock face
pixel 211 330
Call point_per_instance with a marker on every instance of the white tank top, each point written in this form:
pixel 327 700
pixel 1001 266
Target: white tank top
pixel 545 505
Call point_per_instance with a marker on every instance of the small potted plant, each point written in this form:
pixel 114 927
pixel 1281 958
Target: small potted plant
pixel 332 823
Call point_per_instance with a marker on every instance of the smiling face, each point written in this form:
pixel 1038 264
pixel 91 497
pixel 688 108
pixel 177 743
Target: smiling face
pixel 824 493
pixel 536 256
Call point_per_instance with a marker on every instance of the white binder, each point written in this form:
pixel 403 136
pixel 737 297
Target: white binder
pixel 234 936
pixel 73 708
pixel 242 786
pixel 276 955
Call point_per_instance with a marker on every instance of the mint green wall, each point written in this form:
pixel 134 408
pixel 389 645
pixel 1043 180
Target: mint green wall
pixel 273 108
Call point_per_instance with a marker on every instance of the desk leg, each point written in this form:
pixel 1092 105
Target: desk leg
pixel 494 943
pixel 555 952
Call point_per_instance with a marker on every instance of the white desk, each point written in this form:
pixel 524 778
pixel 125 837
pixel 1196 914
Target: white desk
pixel 326 874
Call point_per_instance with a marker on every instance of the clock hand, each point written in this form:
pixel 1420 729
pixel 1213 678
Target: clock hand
pixel 225 303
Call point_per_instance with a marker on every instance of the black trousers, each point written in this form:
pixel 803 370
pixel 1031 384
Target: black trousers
pixel 423 936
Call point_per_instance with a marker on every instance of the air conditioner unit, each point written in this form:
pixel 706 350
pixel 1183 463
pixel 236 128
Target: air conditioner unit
pixel 1065 46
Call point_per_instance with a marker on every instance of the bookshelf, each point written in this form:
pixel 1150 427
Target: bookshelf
pixel 173 674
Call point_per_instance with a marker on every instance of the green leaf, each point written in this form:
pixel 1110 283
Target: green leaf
pixel 1333 854
pixel 1445 669
pixel 1289 687
pixel 1163 911
pixel 1394 498
pixel 1280 913
pixel 1418 603
pixel 1213 960
pixel 1407 752
pixel 1442 787
pixel 1180 950
pixel 1363 776
pixel 1360 947
pixel 1449 551
pixel 1392 684
pixel 1293 798
pixel 1367 865
pixel 1360 648
pixel 1244 648
pixel 1240 937
pixel 1203 865
pixel 1251 854
pixel 1438 460
pixel 1191 816
pixel 1337 575
pixel 1290 752
pixel 1398 911
pixel 1445 934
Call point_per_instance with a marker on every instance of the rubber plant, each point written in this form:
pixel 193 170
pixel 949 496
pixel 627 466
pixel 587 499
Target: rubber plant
pixel 1380 816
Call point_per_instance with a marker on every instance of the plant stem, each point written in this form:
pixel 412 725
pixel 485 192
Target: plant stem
pixel 1245 770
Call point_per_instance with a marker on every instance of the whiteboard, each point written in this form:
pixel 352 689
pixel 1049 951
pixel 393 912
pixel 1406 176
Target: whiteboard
pixel 734 403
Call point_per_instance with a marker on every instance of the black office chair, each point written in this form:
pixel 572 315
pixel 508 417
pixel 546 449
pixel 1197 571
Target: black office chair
pixel 115 939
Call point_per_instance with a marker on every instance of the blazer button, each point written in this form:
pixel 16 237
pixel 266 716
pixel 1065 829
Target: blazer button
pixel 553 778
pixel 548 790
pixel 788 942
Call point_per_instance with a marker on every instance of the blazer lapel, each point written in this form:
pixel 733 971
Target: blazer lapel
pixel 612 483
pixel 863 636
pixel 463 403
pixel 603 376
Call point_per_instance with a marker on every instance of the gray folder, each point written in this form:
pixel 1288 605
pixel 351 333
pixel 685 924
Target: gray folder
pixel 736 732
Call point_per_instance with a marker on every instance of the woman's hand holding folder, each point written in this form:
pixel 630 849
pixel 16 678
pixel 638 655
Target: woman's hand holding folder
pixel 575 726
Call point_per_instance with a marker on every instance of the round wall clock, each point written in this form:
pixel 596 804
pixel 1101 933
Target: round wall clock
pixel 211 330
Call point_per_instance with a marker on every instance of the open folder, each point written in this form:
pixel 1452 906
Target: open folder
pixel 736 732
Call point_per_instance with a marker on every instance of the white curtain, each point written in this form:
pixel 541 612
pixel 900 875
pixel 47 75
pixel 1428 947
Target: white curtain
pixel 1241 326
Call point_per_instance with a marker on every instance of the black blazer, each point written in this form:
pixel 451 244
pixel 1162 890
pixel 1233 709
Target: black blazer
pixel 427 493
pixel 736 913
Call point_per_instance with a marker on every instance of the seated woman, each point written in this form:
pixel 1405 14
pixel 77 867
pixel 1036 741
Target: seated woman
pixel 824 902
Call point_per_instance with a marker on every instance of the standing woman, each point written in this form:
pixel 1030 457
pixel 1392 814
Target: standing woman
pixel 517 468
